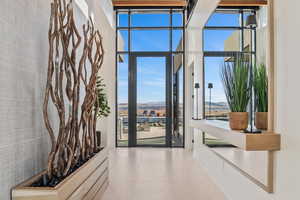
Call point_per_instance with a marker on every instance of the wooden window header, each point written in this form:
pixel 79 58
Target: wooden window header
pixel 243 2
pixel 150 3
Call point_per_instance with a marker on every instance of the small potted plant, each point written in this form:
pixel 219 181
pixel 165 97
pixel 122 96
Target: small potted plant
pixel 235 79
pixel 102 108
pixel 260 85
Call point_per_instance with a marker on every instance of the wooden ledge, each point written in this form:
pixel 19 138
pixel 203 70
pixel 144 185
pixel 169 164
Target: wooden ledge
pixel 249 142
pixel 243 3
pixel 150 3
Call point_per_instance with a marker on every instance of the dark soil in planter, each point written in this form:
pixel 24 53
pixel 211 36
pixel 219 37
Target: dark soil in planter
pixel 45 182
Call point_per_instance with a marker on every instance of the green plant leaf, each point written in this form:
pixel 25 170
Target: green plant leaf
pixel 101 105
pixel 235 78
pixel 260 85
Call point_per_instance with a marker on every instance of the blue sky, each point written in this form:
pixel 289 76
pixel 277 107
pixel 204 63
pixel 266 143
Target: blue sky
pixel 151 79
pixel 151 71
pixel 151 82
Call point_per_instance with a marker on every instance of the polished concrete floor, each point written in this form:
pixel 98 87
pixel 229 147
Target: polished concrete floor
pixel 158 174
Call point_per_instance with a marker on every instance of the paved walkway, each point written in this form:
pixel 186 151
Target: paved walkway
pixel 158 174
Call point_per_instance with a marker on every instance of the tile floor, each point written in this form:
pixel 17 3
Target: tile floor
pixel 158 174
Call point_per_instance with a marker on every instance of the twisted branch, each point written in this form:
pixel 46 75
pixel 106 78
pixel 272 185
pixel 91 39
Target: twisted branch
pixel 66 80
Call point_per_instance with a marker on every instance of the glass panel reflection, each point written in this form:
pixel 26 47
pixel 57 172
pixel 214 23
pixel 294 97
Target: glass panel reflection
pixel 150 40
pixel 178 134
pixel 151 101
pixel 122 122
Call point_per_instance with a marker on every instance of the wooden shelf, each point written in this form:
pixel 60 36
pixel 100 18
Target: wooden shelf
pixel 265 141
pixel 243 2
pixel 161 3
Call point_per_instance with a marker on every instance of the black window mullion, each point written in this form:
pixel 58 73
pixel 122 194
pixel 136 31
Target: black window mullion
pixel 242 31
pixel 150 27
pixel 171 31
pixel 222 27
pixel 183 65
pixel 129 31
pixel 116 82
pixel 169 84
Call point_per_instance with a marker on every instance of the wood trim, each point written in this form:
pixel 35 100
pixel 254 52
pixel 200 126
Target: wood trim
pixel 262 142
pixel 243 3
pixel 78 178
pixel 101 191
pixel 98 186
pixel 26 194
pixel 270 171
pixel 100 173
pixel 271 65
pixel 271 90
pixel 79 184
pixel 165 3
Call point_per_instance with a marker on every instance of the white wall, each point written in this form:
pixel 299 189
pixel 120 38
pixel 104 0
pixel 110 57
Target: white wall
pixel 23 64
pixel 105 22
pixel 24 142
pixel 287 98
pixel 194 58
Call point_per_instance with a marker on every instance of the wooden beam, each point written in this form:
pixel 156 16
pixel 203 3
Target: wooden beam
pixel 151 3
pixel 243 2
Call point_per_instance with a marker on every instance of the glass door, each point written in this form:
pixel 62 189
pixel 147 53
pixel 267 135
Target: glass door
pixel 150 101
pixel 178 110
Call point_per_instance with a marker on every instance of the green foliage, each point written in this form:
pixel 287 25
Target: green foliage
pixel 101 104
pixel 260 85
pixel 236 83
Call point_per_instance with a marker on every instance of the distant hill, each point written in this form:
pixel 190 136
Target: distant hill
pixel 221 106
pixel 146 106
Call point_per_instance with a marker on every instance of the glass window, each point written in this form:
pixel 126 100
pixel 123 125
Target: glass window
pixel 122 122
pixel 149 31
pixel 247 40
pixel 224 38
pixel 150 40
pixel 177 19
pixel 224 19
pixel 177 42
pixel 215 100
pixel 178 100
pixel 123 20
pixel 151 101
pixel 123 40
pixel 150 19
pixel 221 40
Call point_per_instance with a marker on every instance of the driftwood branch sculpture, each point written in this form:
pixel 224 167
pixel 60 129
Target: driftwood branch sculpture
pixel 74 62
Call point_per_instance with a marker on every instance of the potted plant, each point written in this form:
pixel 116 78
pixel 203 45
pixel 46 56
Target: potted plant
pixel 260 85
pixel 77 166
pixel 235 79
pixel 101 105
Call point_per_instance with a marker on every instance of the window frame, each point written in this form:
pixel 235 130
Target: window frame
pixel 129 52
